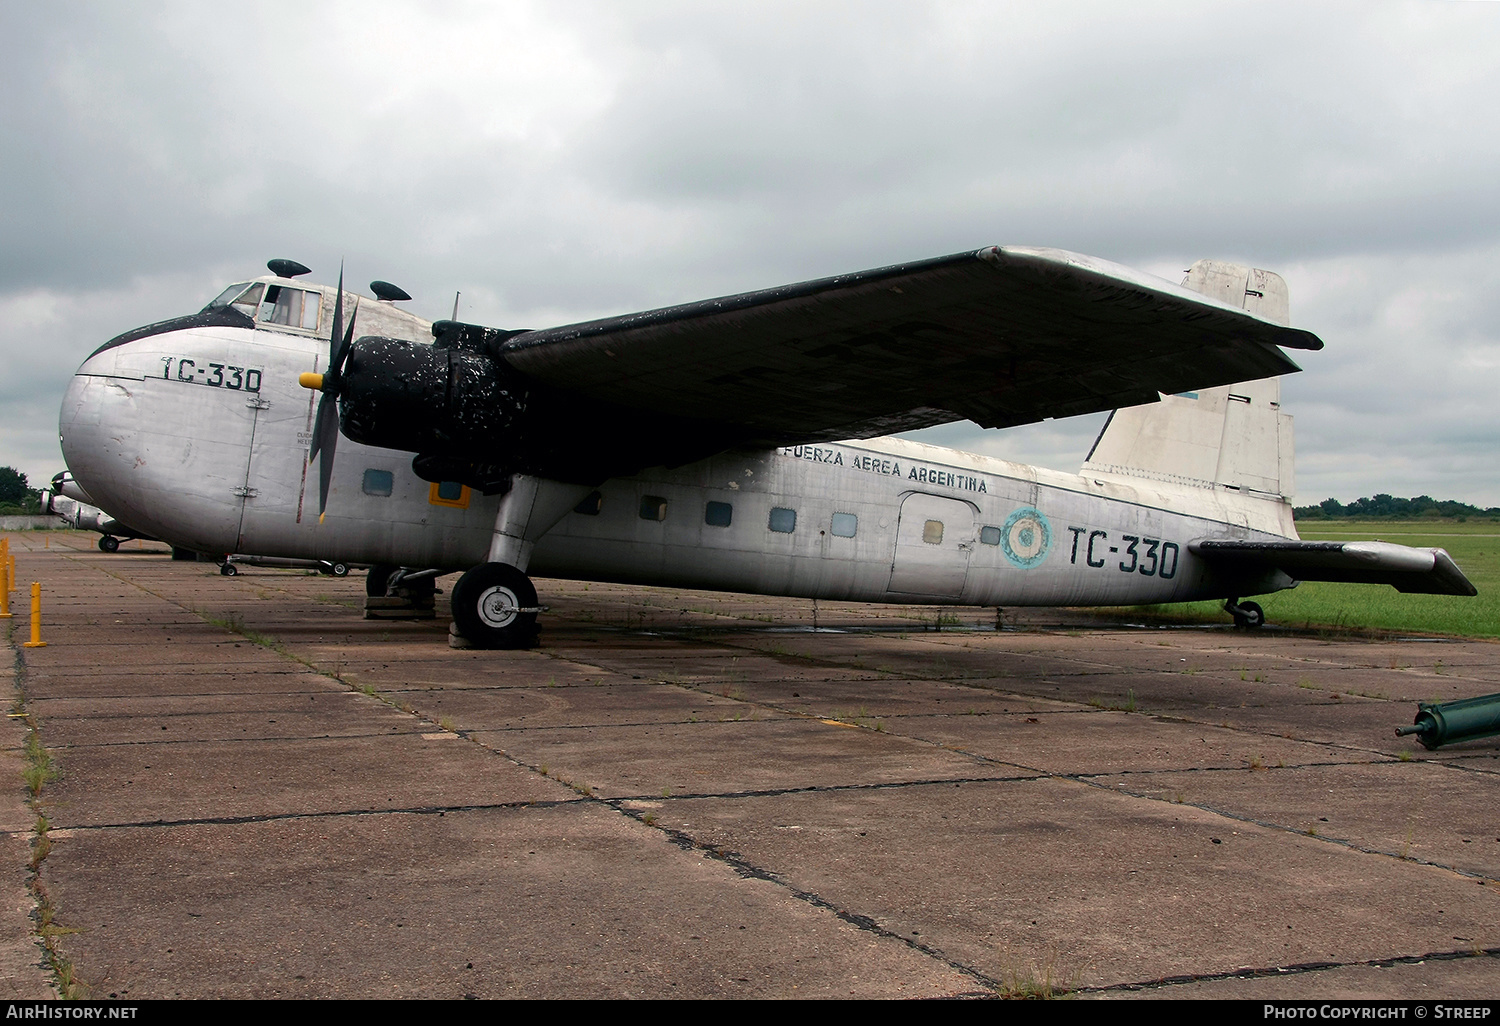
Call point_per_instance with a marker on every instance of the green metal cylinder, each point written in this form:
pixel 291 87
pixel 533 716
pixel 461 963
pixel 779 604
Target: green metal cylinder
pixel 1451 722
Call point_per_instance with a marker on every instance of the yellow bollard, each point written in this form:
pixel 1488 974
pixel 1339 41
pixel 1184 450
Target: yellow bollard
pixel 36 617
pixel 7 578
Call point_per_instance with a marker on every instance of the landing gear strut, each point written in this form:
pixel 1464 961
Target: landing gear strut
pixel 494 606
pixel 399 593
pixel 1246 614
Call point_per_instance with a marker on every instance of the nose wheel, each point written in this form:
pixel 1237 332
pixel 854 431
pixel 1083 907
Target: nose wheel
pixel 494 606
pixel 109 543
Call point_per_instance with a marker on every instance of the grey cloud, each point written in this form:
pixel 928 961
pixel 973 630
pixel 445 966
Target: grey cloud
pixel 561 161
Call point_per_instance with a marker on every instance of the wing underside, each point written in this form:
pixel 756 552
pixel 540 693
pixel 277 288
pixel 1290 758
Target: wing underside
pixel 1419 571
pixel 999 336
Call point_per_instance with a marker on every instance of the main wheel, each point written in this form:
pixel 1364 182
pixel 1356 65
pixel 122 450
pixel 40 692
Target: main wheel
pixel 109 543
pixel 378 579
pixel 1249 615
pixel 490 604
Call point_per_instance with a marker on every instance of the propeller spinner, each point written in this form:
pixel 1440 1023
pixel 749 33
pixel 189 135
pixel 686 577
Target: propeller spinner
pixel 326 430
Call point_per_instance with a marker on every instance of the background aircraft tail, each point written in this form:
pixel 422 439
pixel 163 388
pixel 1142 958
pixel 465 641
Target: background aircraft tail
pixel 1233 438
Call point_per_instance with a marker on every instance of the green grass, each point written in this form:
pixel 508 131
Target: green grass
pixel 1474 546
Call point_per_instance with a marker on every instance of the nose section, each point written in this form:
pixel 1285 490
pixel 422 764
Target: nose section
pixel 97 430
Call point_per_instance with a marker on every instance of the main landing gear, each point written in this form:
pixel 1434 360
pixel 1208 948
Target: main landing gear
pixel 494 606
pixel 494 603
pixel 1246 614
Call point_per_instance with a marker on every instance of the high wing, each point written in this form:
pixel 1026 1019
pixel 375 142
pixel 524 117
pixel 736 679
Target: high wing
pixel 1420 571
pixel 1001 336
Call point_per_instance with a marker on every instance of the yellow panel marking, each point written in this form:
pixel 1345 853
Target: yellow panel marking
pixel 462 502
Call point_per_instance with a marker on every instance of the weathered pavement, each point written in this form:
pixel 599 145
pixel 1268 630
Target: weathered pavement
pixel 263 795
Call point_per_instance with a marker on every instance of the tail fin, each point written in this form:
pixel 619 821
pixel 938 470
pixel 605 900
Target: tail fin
pixel 1233 436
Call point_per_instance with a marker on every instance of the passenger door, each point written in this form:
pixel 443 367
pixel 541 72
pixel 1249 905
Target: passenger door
pixel 934 540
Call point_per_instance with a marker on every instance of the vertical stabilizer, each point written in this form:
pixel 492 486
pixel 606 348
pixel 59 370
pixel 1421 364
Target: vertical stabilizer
pixel 1232 437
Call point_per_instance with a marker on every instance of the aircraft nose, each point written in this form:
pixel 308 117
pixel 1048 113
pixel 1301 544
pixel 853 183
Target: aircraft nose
pixel 97 429
pixel 158 428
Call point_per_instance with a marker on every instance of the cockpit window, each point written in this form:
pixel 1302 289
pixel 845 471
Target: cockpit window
pixel 293 307
pixel 247 302
pixel 227 295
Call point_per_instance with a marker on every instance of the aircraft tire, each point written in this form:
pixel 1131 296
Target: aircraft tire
pixel 109 543
pixel 486 607
pixel 1250 615
pixel 228 570
pixel 338 569
pixel 378 578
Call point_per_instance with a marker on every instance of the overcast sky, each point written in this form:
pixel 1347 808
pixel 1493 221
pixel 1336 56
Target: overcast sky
pixel 559 161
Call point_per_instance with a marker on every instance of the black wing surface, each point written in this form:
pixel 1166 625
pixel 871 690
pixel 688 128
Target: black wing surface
pixel 1001 336
pixel 1418 571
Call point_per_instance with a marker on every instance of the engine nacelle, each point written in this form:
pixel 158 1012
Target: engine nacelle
pixel 420 398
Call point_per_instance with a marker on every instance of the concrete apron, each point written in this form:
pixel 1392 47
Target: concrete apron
pixel 262 794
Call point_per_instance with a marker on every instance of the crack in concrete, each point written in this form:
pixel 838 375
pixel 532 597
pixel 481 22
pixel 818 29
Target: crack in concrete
pixel 746 869
pixel 43 914
pixel 276 817
pixel 1290 970
pixel 416 731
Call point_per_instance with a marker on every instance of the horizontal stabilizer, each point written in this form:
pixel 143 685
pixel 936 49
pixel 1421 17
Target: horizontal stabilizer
pixel 1419 571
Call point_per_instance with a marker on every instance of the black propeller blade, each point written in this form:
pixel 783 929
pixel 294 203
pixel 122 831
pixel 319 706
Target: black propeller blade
pixel 326 430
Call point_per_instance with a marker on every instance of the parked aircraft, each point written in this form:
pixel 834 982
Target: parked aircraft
pixel 736 443
pixel 65 499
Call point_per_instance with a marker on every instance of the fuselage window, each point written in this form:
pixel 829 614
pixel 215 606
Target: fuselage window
pixel 292 307
pixel 932 532
pixel 449 493
pixel 845 525
pixel 989 535
pixel 379 482
pixel 592 503
pixel 653 507
pixel 783 520
pixel 718 514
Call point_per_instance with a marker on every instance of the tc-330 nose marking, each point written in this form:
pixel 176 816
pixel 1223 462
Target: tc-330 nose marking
pixel 214 375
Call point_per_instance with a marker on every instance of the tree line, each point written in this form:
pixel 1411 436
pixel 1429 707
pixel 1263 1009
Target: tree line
pixel 16 496
pixel 1392 508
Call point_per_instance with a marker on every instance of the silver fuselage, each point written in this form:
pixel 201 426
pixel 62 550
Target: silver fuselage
pixel 200 436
